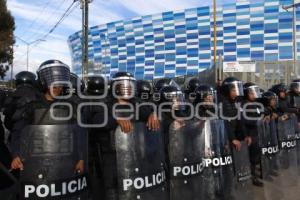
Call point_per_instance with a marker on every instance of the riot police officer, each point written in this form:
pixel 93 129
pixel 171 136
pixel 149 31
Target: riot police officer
pixel 271 114
pixel 232 89
pixel 26 91
pixel 144 90
pixel 159 84
pixel 5 157
pixel 25 77
pixel 57 147
pixel 252 94
pixel 173 98
pixel 294 91
pixel 206 96
pixel 218 179
pixel 121 97
pixel 239 137
pixel 269 99
pixel 294 95
pixel 284 105
pixel 95 87
pixel 182 135
pixel 190 87
pixel 76 84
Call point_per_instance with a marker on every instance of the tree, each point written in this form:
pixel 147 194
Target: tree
pixel 7 27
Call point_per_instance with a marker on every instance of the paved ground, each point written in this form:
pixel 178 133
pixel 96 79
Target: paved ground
pixel 282 188
pixel 292 193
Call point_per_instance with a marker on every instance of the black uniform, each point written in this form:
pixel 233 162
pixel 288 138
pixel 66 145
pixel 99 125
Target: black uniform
pixel 104 141
pixel 208 110
pixel 10 103
pixel 291 103
pixel 251 127
pixel 47 146
pixel 26 91
pixel 144 90
pixel 24 94
pixel 294 96
pixel 105 160
pixel 231 109
pixel 252 114
pixel 26 118
pixel 284 106
pixel 190 87
pixel 5 155
pixel 235 127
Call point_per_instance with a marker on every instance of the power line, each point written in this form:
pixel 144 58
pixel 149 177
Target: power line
pixel 44 23
pixel 38 15
pixel 62 18
pixel 69 10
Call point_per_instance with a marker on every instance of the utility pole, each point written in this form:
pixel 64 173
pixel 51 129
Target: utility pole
pixel 85 36
pixel 294 40
pixel 295 4
pixel 215 37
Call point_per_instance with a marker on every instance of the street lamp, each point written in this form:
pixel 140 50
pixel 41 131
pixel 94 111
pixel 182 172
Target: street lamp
pixel 12 68
pixel 27 48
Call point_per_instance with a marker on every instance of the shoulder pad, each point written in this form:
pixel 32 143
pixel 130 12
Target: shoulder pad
pixel 25 100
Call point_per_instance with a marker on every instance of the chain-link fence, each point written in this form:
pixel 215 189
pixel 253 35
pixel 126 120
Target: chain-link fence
pixel 268 73
pixel 265 75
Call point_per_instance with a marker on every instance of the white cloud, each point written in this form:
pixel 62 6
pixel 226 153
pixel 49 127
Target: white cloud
pixel 30 12
pixel 55 46
pixel 156 6
pixel 47 19
pixel 100 15
pixel 101 11
pixel 54 49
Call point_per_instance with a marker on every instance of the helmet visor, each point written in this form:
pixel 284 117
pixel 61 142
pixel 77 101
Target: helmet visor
pixel 237 87
pixel 176 98
pixel 124 89
pixel 295 86
pixel 55 74
pixel 255 91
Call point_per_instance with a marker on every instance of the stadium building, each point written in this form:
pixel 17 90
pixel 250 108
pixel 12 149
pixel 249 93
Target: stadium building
pixel 178 43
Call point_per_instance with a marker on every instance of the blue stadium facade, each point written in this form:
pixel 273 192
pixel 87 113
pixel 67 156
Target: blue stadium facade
pixel 181 42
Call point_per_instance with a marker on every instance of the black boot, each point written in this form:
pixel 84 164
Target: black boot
pixel 273 173
pixel 257 182
pixel 269 178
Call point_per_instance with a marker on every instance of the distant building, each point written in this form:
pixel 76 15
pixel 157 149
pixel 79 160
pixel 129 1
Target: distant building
pixel 180 43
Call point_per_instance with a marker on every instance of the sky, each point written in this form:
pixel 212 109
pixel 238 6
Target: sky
pixel 34 19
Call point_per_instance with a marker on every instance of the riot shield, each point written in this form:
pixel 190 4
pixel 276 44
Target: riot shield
pixel 8 193
pixel 186 150
pixel 296 101
pixel 219 172
pixel 5 160
pixel 243 179
pixel 294 124
pixel 268 144
pixel 287 155
pixel 140 164
pixel 49 154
